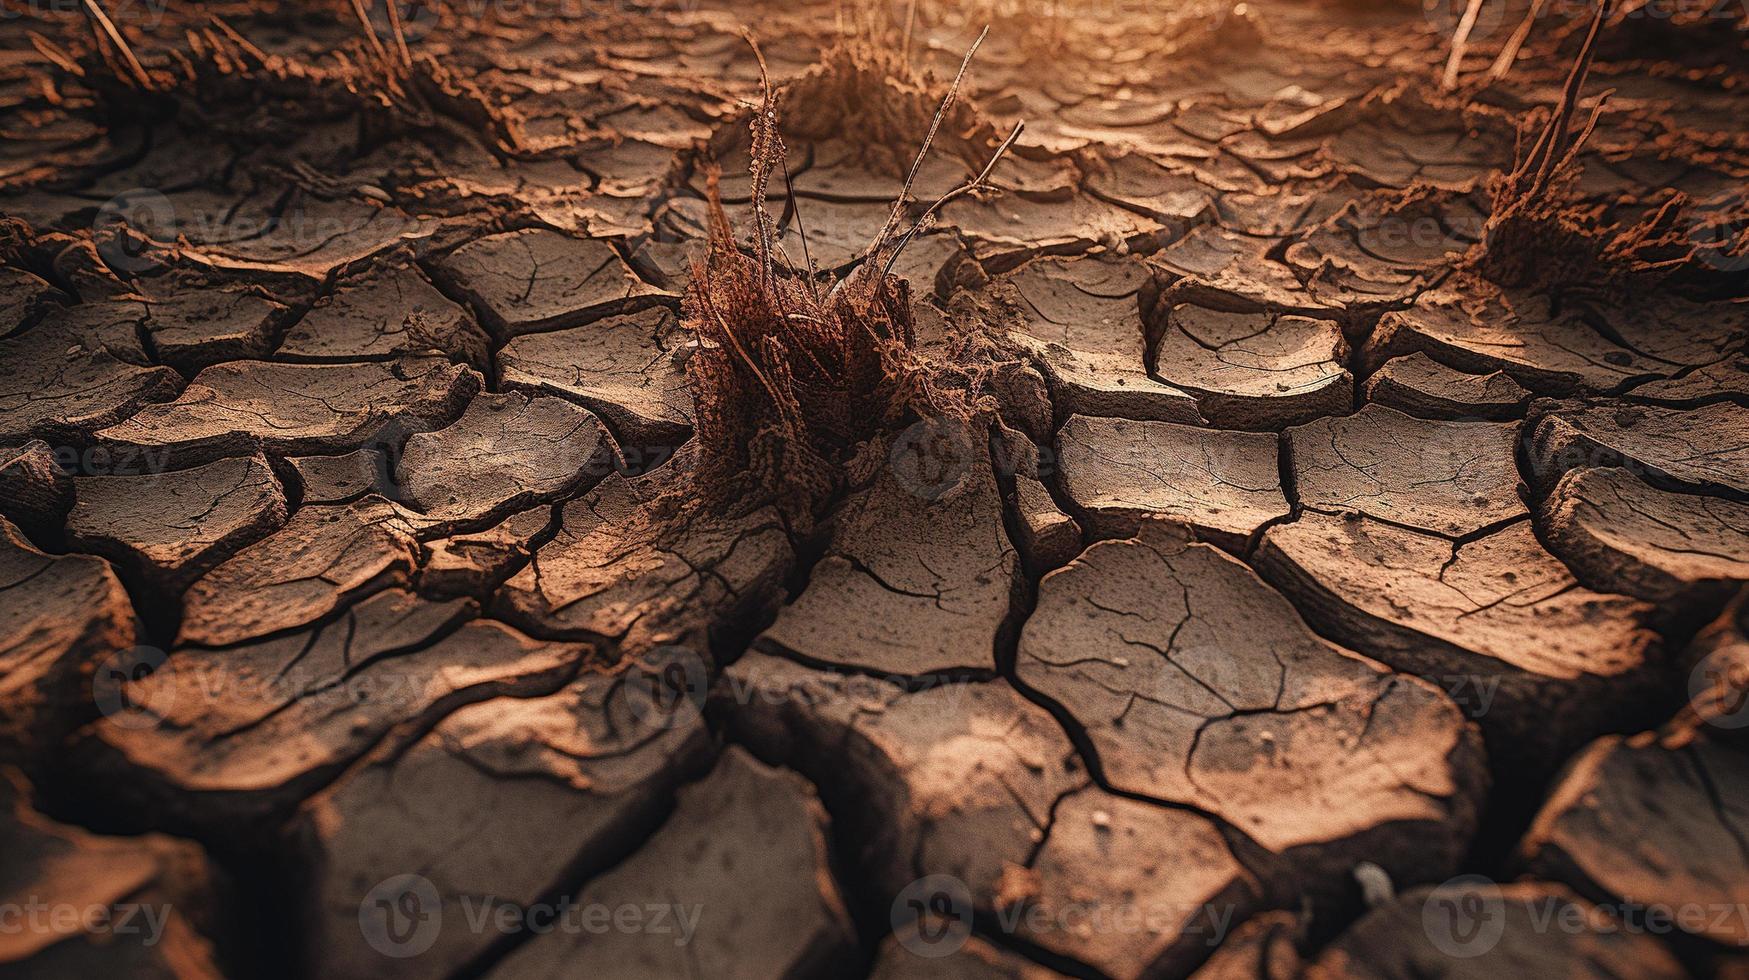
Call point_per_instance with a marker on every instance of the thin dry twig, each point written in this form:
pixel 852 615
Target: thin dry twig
pixel 238 39
pixel 905 41
pixel 60 57
pixel 801 229
pixel 370 35
pixel 767 146
pixel 376 45
pixel 1542 236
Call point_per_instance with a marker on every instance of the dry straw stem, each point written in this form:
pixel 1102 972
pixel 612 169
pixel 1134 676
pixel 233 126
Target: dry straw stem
pixel 794 390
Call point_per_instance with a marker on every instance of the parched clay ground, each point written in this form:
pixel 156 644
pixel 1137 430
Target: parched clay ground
pixel 1323 609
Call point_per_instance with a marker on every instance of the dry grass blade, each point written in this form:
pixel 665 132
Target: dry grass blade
pixel 928 141
pixel 976 182
pixel 391 70
pixel 1460 41
pixel 400 34
pixel 238 39
pixel 1556 146
pixel 905 41
pixel 370 34
pixel 810 272
pixel 56 55
pixel 1509 54
pixel 106 30
pixel 768 146
pixel 221 81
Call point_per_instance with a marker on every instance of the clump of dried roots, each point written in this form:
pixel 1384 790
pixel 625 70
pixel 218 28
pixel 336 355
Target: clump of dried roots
pixel 1540 237
pixel 796 379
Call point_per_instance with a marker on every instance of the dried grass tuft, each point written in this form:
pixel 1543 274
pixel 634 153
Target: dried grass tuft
pixel 865 84
pixel 222 82
pixel 796 380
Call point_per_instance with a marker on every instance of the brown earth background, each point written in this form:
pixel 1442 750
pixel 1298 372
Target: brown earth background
pixel 1341 576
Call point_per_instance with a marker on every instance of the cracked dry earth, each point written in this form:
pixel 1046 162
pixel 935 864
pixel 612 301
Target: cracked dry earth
pixel 349 626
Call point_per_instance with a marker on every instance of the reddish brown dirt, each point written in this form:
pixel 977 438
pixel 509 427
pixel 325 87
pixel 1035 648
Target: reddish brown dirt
pixel 1299 601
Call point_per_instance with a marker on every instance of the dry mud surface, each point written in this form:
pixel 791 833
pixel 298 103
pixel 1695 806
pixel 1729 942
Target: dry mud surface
pixel 1319 608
